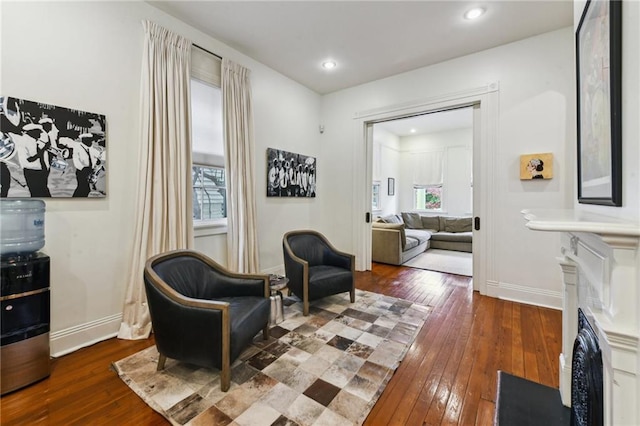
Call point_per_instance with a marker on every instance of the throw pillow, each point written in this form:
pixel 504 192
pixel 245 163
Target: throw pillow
pixel 392 218
pixel 431 223
pixel 412 220
pixel 457 224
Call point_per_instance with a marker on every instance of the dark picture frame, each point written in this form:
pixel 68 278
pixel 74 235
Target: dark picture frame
pixel 599 107
pixel 391 186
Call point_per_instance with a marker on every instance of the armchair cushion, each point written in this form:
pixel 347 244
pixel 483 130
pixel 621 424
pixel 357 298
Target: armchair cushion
pixel 247 314
pixel 325 280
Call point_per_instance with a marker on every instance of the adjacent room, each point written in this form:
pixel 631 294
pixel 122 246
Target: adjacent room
pixel 311 213
pixel 426 162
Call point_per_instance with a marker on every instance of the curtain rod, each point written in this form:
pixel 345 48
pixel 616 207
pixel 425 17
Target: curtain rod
pixel 208 51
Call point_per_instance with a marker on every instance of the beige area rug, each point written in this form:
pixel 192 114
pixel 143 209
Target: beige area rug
pixel 449 261
pixel 328 368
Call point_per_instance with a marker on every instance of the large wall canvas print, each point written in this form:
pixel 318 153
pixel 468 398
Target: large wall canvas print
pixel 290 175
pixel 51 151
pixel 599 96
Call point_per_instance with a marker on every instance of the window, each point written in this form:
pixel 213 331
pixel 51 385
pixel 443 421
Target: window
pixel 427 197
pixel 207 146
pixel 375 196
pixel 209 193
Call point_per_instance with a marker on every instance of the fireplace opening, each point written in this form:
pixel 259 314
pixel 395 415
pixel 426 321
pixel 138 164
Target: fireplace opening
pixel 586 377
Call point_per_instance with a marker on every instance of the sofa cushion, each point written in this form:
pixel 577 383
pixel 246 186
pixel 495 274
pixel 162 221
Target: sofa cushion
pixel 432 223
pixel 411 243
pixel 457 224
pixel 412 220
pixel 392 218
pixel 421 235
pixel 461 237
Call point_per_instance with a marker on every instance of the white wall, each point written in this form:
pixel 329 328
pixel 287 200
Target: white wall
pixel 87 56
pixel 536 114
pixel 457 147
pixel 386 164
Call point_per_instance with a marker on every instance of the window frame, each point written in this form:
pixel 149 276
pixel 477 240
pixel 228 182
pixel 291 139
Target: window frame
pixel 199 223
pixel 206 68
pixel 376 202
pixel 426 187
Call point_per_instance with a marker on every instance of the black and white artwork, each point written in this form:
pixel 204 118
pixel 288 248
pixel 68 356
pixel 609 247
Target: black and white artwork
pixel 290 175
pixel 51 151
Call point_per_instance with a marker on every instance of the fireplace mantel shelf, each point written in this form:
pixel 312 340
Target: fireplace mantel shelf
pixel 573 221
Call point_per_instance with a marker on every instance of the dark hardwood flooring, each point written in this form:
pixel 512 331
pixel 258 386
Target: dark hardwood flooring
pixel 447 377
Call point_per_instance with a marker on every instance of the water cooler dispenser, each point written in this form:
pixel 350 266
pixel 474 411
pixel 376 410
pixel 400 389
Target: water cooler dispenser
pixel 24 295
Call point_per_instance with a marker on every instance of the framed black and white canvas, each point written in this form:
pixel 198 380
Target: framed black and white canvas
pixel 599 95
pixel 51 151
pixel 290 174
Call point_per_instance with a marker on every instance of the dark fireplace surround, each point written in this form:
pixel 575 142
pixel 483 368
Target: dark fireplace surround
pixel 586 377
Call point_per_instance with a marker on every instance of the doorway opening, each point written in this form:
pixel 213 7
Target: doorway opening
pixel 422 171
pixel 483 102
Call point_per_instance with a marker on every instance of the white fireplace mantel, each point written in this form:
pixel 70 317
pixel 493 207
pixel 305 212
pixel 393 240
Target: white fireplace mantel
pixel 600 263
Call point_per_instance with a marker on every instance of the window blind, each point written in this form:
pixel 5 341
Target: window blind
pixel 206 67
pixel 427 168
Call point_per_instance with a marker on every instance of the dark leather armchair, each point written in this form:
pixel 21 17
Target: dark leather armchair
pixel 201 313
pixel 315 268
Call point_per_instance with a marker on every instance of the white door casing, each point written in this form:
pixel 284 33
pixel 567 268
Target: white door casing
pixel 484 100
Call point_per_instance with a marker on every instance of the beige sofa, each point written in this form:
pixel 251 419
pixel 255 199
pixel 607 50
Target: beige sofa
pixel 398 238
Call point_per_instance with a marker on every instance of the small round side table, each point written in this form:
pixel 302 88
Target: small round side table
pixel 277 283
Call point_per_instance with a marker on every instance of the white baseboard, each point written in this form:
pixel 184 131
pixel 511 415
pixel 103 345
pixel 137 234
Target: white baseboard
pixel 493 289
pixel 73 338
pixel 528 295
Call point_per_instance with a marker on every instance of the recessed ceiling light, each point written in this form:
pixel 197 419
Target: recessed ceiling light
pixel 474 13
pixel 328 65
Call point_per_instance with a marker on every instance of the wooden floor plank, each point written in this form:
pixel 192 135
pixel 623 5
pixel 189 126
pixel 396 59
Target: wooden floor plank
pixel 448 377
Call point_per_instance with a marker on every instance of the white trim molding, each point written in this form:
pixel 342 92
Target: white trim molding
pixel 73 338
pixel 523 294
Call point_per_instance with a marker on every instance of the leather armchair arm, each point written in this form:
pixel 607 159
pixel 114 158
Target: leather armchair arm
pixel 295 268
pixel 335 257
pixel 340 259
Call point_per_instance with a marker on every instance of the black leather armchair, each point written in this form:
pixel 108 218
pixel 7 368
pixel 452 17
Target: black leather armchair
pixel 315 268
pixel 201 313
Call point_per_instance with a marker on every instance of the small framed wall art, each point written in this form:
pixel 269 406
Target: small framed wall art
pixel 391 186
pixel 290 174
pixel 536 166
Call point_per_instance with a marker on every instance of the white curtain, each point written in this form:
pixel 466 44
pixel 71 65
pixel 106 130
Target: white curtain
pixel 427 168
pixel 163 215
pixel 242 236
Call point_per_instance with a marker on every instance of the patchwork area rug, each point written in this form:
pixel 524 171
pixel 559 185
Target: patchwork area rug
pixel 328 368
pixel 449 261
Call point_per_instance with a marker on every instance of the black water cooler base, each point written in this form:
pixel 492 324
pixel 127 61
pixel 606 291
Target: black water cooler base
pixel 25 320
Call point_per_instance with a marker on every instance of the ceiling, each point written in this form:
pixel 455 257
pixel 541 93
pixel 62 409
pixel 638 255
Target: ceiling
pixel 369 40
pixel 429 123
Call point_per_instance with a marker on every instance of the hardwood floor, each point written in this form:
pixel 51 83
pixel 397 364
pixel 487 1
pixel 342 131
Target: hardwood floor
pixel 447 377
